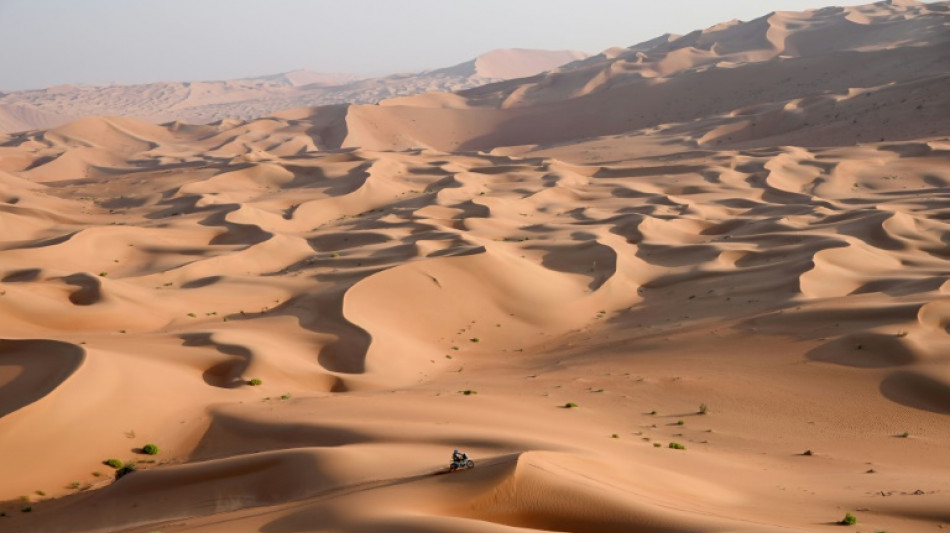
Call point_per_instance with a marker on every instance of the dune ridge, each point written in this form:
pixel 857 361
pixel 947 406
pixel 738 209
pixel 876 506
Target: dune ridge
pixel 209 101
pixel 867 69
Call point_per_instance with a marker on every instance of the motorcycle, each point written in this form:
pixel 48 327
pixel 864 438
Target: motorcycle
pixel 461 464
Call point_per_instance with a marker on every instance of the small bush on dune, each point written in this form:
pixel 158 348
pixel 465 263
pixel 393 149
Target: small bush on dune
pixel 677 446
pixel 150 449
pixel 570 405
pixel 703 409
pixel 124 471
pixel 848 520
pixel 114 463
pixel 255 382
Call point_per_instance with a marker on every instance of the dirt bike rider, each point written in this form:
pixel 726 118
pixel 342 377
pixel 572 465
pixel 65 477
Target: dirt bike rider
pixel 458 457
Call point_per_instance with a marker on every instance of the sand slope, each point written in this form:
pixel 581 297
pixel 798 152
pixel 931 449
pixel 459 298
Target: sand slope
pixel 398 304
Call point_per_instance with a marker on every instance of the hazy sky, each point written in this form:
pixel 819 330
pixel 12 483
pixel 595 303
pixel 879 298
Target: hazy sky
pixel 50 42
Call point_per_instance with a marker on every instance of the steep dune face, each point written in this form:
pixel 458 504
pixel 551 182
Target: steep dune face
pixel 643 331
pixel 518 63
pixel 202 102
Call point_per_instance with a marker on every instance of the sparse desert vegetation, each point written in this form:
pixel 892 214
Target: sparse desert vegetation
pixel 150 449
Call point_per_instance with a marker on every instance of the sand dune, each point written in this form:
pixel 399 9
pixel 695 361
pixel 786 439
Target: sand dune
pixel 209 101
pixel 516 273
pixel 840 76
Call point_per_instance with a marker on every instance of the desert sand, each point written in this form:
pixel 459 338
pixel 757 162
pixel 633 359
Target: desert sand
pixel 209 101
pixel 735 242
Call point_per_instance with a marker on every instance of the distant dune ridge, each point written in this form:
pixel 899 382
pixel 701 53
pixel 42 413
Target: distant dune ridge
pixel 699 284
pixel 208 101
pixel 836 75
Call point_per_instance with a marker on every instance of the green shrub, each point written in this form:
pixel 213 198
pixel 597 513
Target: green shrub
pixel 150 449
pixel 657 445
pixel 468 392
pixel 703 408
pixel 124 471
pixel 615 436
pixel 904 435
pixel 653 413
pixel 114 463
pixel 677 446
pixel 848 520
pixel 285 396
pixel 475 339
pixel 255 382
pixel 97 473
pixel 570 405
pixel 680 423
